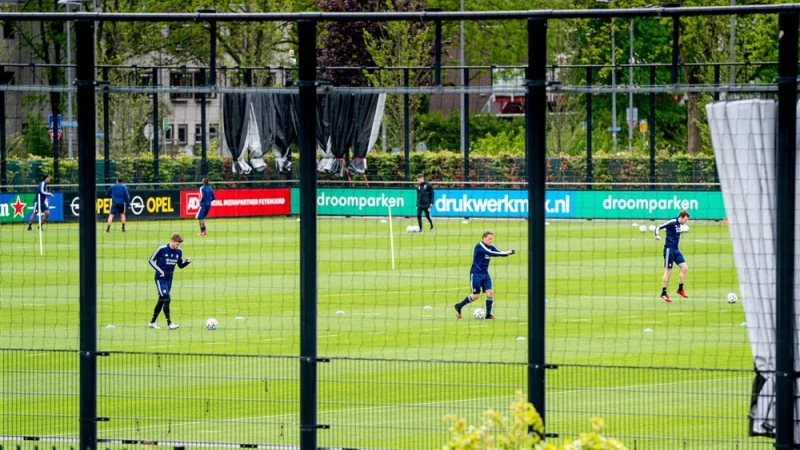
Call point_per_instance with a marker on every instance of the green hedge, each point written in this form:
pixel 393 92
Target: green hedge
pixel 437 166
pixel 449 166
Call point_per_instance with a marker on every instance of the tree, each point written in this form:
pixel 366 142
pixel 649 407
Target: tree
pixel 238 43
pixel 341 44
pixel 398 44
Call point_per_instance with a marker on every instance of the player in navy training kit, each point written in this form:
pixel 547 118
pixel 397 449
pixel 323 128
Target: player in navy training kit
pixel 479 273
pixel 671 253
pixel 206 197
pixel 164 260
pixel 41 204
pixel 119 199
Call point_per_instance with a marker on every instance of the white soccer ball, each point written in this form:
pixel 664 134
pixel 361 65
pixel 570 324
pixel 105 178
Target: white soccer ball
pixel 642 228
pixel 684 228
pixel 415 229
pixel 652 228
pixel 731 298
pixel 211 324
pixel 410 229
pixel 479 313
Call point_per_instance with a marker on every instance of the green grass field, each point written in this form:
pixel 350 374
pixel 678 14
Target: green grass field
pixel 400 360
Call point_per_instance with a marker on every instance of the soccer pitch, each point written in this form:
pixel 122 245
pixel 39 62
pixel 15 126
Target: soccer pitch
pixel 400 360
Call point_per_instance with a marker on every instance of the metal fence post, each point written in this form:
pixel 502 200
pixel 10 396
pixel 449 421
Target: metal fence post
pixel 84 30
pixel 785 160
pixel 308 233
pixel 156 126
pixel 676 35
pixel 406 125
pixel 536 153
pixel 465 126
pixel 589 168
pixel 203 126
pixel 106 132
pixel 3 156
pixel 652 126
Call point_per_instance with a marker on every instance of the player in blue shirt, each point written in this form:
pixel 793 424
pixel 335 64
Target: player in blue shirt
pixel 120 198
pixel 672 255
pixel 479 273
pixel 164 260
pixel 206 197
pixel 41 204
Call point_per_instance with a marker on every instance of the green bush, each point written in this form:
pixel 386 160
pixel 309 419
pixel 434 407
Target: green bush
pixel 499 166
pixel 441 132
pixel 522 430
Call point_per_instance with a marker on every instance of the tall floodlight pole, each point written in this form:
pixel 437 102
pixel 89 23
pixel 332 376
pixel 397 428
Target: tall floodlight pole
pixel 69 82
pixel 613 89
pixel 463 83
pixel 630 93
pixel 732 46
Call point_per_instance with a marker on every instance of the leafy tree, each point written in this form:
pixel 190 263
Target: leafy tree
pixel 342 44
pixel 238 43
pixel 398 44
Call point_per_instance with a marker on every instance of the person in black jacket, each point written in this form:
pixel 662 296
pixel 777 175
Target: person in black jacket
pixel 424 200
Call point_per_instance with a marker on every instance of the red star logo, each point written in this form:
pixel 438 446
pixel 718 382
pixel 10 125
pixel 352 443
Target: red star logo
pixel 19 208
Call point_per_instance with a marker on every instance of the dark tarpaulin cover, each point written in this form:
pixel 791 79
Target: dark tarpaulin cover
pixel 285 110
pixel 364 110
pixel 235 113
pixel 340 117
pixel 265 121
pixel 323 123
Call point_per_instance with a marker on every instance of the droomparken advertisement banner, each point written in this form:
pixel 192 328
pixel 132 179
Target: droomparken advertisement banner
pixel 19 207
pixel 361 202
pixel 648 204
pixel 499 203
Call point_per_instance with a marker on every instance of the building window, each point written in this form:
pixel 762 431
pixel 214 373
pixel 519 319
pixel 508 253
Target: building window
pixel 8 30
pixel 198 134
pixel 212 131
pixel 180 79
pixel 199 81
pixel 168 136
pixel 182 133
pixel 143 80
pixel 9 77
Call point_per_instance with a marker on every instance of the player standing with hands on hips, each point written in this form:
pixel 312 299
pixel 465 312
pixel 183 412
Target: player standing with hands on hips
pixel 424 200
pixel 164 260
pixel 41 202
pixel 672 255
pixel 120 197
pixel 479 277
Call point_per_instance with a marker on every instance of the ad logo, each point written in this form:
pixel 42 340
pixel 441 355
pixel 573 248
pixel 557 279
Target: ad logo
pixel 137 205
pixel 19 208
pixel 75 206
pixel 192 202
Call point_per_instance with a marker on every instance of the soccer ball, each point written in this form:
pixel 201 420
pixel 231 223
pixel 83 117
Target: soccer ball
pixel 642 228
pixel 731 298
pixel 479 313
pixel 652 228
pixel 684 228
pixel 211 324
